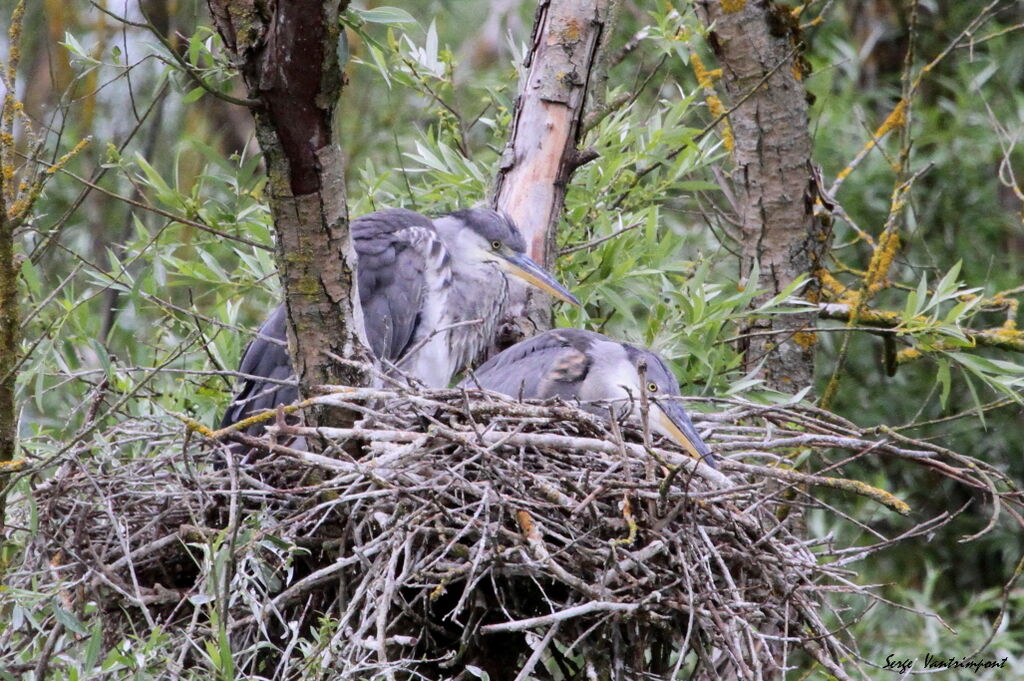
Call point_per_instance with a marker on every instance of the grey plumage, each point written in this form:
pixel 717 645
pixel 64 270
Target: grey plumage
pixel 399 255
pixel 417 277
pixel 588 367
pixel 266 356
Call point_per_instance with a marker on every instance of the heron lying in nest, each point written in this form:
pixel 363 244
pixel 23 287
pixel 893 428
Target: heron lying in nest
pixel 601 374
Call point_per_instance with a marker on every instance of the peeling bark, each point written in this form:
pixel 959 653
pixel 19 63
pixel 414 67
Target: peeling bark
pixel 541 153
pixel 757 44
pixel 287 55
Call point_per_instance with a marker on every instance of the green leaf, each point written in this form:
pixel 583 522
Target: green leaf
pixel 69 621
pixel 382 67
pixel 384 15
pixel 72 45
pixel 432 43
pixel 943 378
pixel 94 647
pixel 164 192
pixel 922 297
pixel 30 275
pixel 193 95
pixel 948 284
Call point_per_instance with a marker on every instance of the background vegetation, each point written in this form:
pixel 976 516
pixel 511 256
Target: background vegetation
pixel 147 263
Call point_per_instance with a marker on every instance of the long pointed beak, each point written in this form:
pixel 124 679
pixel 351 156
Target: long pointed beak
pixel 671 420
pixel 532 273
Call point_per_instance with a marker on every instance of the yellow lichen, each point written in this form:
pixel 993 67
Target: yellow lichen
pixel 1007 331
pixel 728 141
pixel 881 261
pixel 715 105
pixel 308 286
pixel 829 283
pixel 896 118
pixel 702 73
pixel 879 495
pixel 438 591
pixel 733 5
pixel 8 116
pixel 17 208
pixel 706 79
pixel 571 32
pixel 1000 300
pixel 907 354
pixel 805 339
pixel 63 160
pixel 14 41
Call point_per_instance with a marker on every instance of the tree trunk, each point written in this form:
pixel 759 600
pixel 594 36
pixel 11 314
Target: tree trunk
pixel 10 340
pixel 288 58
pixel 757 44
pixel 15 205
pixel 541 154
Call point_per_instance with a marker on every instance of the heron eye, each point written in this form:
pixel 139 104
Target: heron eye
pixel 496 245
pixel 652 387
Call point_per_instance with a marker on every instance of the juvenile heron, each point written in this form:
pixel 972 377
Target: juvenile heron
pixel 595 370
pixel 421 283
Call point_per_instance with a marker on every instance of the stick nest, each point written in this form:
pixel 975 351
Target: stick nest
pixel 469 534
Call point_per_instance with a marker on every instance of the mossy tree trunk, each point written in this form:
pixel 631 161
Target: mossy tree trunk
pixel 758 45
pixel 564 68
pixel 23 175
pixel 287 53
pixel 10 339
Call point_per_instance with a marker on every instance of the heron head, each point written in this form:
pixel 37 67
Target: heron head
pixel 492 238
pixel 667 415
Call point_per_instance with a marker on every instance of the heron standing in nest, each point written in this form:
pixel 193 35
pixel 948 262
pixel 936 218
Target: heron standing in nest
pixel 422 283
pixel 596 371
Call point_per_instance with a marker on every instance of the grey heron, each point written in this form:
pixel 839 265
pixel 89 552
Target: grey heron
pixel 421 283
pixel 597 371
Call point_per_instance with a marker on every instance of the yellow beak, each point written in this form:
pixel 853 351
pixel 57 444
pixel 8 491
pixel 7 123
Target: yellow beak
pixel 672 421
pixel 526 269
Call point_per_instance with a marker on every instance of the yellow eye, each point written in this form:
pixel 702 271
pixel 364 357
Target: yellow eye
pixel 496 245
pixel 652 387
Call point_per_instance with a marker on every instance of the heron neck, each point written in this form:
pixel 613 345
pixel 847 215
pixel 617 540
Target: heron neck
pixel 476 294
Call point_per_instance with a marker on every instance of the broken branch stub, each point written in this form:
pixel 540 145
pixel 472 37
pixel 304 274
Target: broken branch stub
pixel 541 154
